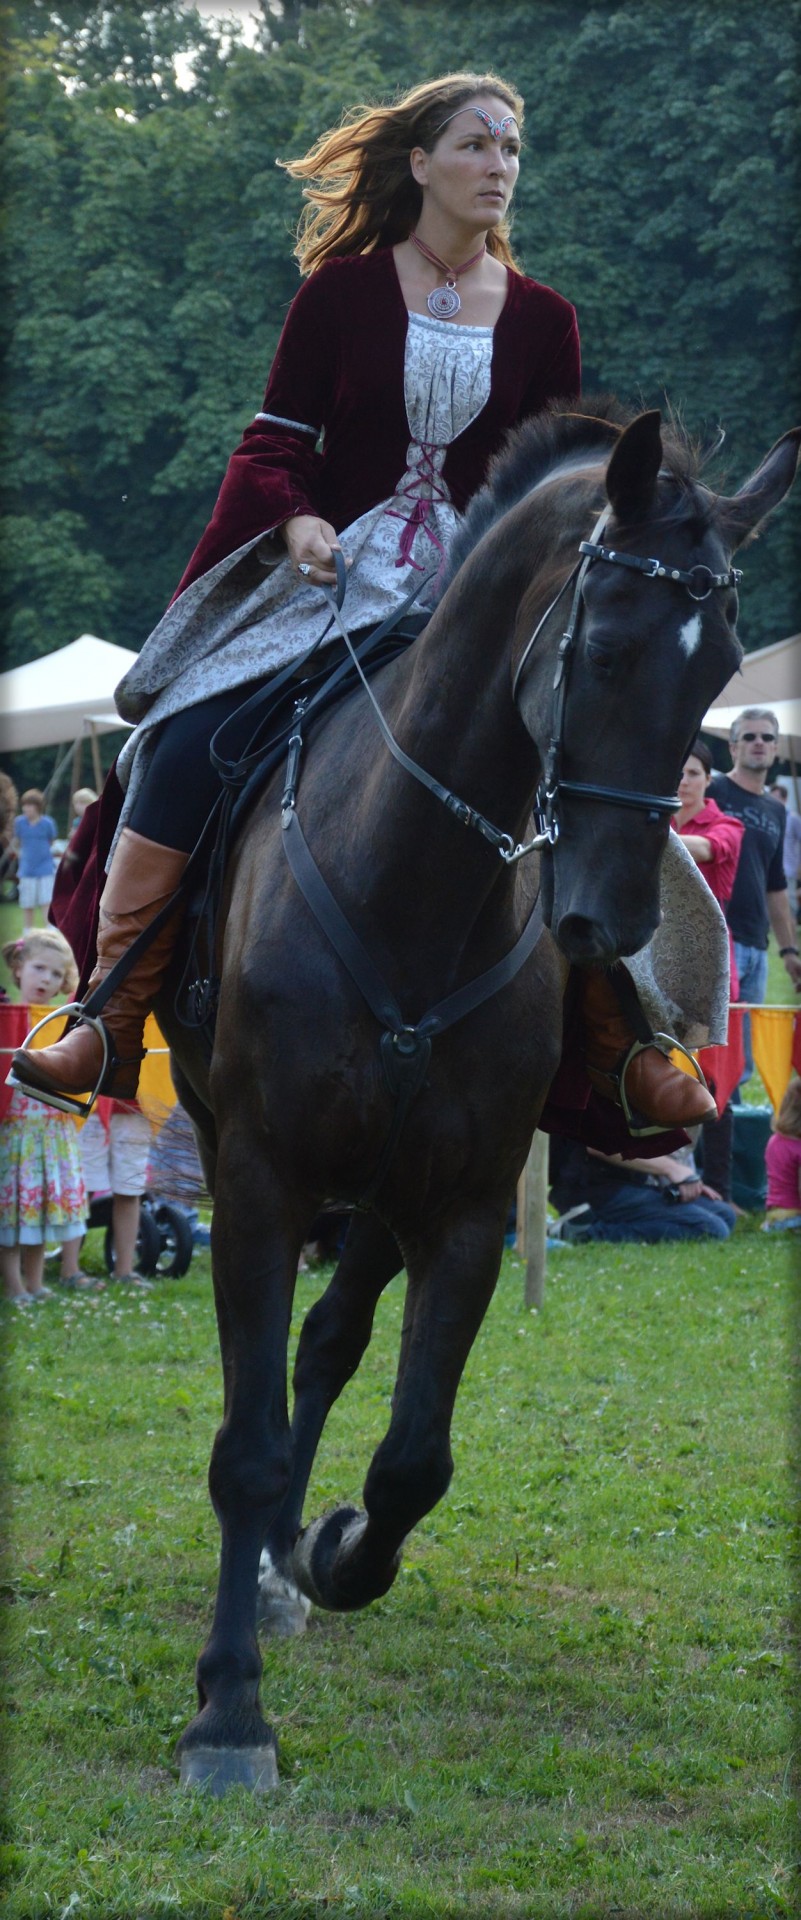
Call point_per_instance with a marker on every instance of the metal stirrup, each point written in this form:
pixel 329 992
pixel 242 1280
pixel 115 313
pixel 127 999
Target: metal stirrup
pixel 65 1102
pixel 665 1044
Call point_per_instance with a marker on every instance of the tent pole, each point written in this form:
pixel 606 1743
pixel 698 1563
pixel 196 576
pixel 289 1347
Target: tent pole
pixel 96 768
pixel 56 773
pixel 77 757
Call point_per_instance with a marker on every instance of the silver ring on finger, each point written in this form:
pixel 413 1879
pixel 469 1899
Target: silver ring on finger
pixel 304 568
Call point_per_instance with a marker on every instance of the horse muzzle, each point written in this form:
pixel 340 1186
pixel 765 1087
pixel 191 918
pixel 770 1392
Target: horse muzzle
pixel 593 923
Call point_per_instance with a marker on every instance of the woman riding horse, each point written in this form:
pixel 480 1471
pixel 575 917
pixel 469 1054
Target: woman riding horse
pixel 414 345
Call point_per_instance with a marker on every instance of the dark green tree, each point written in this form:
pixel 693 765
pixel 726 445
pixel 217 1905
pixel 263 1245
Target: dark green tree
pixel 149 249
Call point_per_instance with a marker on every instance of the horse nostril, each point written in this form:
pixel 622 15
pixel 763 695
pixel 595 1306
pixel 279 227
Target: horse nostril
pixel 583 939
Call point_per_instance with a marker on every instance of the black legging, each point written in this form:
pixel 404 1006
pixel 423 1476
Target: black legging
pixel 181 785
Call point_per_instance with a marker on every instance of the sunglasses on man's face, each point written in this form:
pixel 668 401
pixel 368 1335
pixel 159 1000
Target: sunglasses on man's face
pixel 768 738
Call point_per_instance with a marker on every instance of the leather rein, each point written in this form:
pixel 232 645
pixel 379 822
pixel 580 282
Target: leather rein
pixel 406 1048
pixel 699 582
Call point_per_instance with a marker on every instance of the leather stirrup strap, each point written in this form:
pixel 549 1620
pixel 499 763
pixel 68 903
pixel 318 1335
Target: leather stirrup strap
pixel 621 982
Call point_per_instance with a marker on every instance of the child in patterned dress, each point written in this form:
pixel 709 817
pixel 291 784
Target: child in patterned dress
pixel 42 1194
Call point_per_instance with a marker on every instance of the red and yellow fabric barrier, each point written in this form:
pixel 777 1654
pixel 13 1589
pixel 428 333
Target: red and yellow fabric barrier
pixel 776 1042
pixel 775 1037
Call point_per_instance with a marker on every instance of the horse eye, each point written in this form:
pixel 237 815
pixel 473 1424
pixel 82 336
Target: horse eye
pixel 600 657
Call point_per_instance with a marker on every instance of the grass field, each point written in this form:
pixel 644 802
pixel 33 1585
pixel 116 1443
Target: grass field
pixel 574 1701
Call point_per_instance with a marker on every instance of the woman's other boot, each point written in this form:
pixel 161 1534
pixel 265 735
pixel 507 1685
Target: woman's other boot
pixel 664 1095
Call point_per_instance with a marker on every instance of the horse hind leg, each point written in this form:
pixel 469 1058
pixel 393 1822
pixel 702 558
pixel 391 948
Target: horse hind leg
pixel 334 1337
pixel 347 1558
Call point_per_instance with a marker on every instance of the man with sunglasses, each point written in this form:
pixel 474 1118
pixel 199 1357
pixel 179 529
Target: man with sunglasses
pixel 759 899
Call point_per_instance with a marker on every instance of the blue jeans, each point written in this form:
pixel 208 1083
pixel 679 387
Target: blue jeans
pixel 643 1213
pixel 752 967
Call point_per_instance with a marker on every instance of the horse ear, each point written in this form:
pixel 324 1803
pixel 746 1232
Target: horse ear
pixel 740 516
pixel 635 463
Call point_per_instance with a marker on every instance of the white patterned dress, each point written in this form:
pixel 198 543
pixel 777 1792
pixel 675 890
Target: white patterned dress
pixel 447 374
pixel 42 1194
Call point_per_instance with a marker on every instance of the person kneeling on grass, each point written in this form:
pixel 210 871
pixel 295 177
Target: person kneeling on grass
pixel 644 1200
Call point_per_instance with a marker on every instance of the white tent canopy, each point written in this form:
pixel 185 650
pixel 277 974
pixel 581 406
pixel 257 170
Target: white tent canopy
pixel 63 695
pixel 766 675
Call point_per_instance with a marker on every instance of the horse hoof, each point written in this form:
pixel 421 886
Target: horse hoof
pixel 282 1609
pixel 315 1551
pixel 328 1565
pixel 215 1769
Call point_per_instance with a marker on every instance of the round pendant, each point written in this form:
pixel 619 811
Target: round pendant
pixel 443 303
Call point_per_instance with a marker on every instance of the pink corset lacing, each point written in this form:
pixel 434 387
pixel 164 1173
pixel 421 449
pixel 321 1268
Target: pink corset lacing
pixel 426 476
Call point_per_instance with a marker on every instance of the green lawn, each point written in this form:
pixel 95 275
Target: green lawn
pixel 574 1701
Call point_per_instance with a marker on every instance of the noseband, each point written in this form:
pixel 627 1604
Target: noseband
pixel 699 582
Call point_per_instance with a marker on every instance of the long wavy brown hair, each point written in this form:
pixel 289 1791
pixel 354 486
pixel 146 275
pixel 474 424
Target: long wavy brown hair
pixel 361 193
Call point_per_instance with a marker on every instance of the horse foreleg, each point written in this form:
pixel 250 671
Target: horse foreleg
pixel 255 1248
pixel 349 1558
pixel 334 1336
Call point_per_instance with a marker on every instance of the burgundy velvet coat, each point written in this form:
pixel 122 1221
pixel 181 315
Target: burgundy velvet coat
pixel 338 371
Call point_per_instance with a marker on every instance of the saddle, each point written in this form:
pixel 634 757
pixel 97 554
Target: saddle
pixel 246 750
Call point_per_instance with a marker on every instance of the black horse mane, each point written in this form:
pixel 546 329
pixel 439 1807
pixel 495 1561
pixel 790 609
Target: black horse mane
pixel 564 429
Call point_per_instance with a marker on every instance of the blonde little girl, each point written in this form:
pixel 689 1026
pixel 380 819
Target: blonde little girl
pixel 42 1194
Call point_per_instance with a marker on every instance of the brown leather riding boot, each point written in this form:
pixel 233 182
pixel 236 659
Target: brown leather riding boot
pixel 654 1087
pixel 141 879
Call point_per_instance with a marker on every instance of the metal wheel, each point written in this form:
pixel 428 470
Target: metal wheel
pixel 176 1240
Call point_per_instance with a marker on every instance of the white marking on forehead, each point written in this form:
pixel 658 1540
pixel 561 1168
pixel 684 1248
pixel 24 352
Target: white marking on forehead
pixel 690 634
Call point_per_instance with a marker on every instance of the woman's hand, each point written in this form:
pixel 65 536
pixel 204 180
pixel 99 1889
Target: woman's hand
pixel 311 544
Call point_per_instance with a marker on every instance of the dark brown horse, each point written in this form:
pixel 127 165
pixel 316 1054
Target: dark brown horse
pixel 296 1106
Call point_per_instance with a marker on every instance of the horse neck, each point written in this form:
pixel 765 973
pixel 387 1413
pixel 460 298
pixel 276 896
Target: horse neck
pixel 449 704
pixel 458 716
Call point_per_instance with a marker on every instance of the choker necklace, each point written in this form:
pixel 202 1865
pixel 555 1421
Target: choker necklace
pixel 444 302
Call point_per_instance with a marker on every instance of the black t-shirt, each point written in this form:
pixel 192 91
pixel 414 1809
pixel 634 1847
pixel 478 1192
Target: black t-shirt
pixel 760 868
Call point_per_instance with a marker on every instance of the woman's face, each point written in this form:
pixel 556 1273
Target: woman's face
pixel 40 977
pixel 470 175
pixel 693 784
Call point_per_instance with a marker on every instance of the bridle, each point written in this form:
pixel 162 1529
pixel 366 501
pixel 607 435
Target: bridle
pixel 699 582
pixel 406 1048
pixel 553 783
